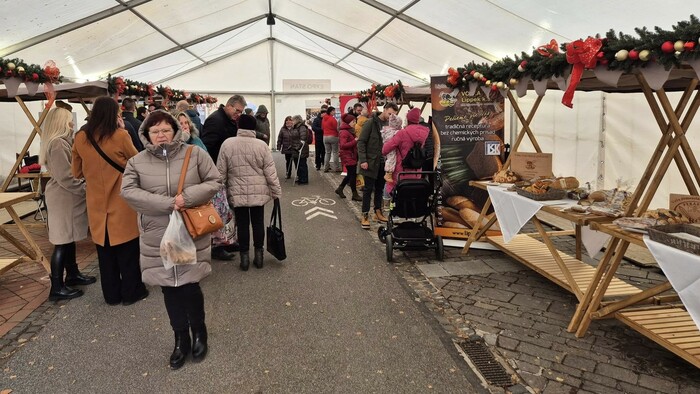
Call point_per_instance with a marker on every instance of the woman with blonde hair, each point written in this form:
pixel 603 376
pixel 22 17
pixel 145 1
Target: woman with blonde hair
pixel 189 131
pixel 65 201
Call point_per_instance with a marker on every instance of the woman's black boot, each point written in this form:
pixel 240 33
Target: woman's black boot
pixel 245 261
pixel 199 343
pixel 73 275
pixel 183 345
pixel 59 291
pixel 258 259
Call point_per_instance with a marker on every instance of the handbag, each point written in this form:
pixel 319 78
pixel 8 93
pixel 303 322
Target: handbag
pixel 202 219
pixel 275 235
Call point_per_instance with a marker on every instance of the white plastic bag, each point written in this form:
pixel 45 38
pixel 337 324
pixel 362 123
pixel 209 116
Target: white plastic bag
pixel 177 246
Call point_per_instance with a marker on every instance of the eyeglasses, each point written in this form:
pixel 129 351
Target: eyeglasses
pixel 161 131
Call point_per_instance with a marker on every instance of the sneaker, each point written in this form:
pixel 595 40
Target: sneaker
pixel 365 221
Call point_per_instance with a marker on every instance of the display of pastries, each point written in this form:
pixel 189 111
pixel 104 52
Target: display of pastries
pixel 666 216
pixel 505 176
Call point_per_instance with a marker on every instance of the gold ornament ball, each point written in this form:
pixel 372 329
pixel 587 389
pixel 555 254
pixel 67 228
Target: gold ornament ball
pixel 513 81
pixel 500 85
pixel 621 55
pixel 678 53
pixel 678 46
pixel 644 55
pixel 20 69
pixel 487 83
pixel 10 66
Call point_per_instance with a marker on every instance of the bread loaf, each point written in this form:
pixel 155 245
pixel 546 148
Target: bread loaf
pixel 565 183
pixel 451 215
pixel 459 202
pixel 454 225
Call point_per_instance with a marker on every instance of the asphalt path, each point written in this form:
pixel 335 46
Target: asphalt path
pixel 333 317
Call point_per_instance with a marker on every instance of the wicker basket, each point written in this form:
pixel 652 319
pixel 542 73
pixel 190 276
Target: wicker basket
pixel 664 234
pixel 551 194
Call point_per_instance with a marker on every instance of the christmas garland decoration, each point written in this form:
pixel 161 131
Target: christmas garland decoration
pixel 620 51
pixel 17 68
pixel 118 86
pixel 382 92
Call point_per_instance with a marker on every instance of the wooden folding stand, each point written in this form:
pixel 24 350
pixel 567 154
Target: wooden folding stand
pixel 666 323
pixel 29 248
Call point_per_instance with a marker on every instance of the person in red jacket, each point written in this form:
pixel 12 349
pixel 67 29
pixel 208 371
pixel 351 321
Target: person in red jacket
pixel 348 156
pixel 402 142
pixel 330 140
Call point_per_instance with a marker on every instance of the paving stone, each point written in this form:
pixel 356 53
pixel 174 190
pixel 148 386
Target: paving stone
pixel 548 328
pixel 631 388
pixel 538 351
pixel 583 364
pixel 482 305
pixel 537 382
pixel 616 372
pixel 507 343
pixel 499 295
pixel 432 270
pixel 598 389
pixel 503 265
pixel 599 379
pixel 467 268
pixel 554 387
pixel 530 302
pixel 514 320
pixel 663 385
pixel 527 367
pixel 568 372
pixel 517 389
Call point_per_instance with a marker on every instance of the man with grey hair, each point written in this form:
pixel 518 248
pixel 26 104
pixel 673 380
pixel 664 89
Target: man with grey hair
pixel 185 106
pixel 222 124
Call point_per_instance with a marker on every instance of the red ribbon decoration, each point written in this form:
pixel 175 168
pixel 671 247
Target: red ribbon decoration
pixel 52 73
pixel 548 50
pixel 582 54
pixel 120 86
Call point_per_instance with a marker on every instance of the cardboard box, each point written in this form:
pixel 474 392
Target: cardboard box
pixel 689 206
pixel 531 165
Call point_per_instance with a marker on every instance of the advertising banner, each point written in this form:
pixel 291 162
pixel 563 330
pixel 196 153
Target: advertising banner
pixel 471 148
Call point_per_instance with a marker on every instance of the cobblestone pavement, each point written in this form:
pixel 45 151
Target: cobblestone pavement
pixel 522 317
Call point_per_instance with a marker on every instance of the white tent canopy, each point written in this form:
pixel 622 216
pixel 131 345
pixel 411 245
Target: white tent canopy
pixel 227 46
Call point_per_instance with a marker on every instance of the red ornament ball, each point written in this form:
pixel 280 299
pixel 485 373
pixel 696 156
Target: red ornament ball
pixel 35 77
pixel 472 72
pixel 689 46
pixel 634 55
pixel 9 73
pixel 667 47
pixel 600 55
pixel 494 87
pixel 523 63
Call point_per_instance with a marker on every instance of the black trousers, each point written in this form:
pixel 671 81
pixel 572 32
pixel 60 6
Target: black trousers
pixel 245 216
pixel 185 306
pixel 376 186
pixel 289 160
pixel 303 171
pixel 120 274
pixel 320 150
pixel 350 178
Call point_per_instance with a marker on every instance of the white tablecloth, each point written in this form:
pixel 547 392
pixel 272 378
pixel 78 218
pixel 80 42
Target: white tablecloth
pixel 683 271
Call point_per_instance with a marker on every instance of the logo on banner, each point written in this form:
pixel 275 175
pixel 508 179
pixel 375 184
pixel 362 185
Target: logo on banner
pixel 448 99
pixel 493 148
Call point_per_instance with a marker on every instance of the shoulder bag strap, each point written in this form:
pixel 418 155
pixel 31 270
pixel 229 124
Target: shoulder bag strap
pixel 276 214
pixel 185 164
pixel 104 156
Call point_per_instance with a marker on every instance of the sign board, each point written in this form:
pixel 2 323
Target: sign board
pixel 687 205
pixel 306 85
pixel 531 165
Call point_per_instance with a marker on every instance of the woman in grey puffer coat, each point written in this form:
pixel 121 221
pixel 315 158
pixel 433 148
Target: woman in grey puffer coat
pixel 149 187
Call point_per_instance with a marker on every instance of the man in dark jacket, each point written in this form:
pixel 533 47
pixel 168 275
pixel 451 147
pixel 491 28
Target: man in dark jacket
pixel 369 149
pixel 129 120
pixel 317 127
pixel 221 124
pixel 184 106
pixel 262 128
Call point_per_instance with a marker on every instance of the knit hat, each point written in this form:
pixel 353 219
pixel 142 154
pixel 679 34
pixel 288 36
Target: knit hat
pixel 395 121
pixel 413 116
pixel 247 122
pixel 347 118
pixel 261 110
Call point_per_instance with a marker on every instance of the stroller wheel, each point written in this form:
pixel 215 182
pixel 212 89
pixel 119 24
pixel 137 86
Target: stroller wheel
pixel 381 233
pixel 389 248
pixel 439 248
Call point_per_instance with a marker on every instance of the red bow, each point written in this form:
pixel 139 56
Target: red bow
pixel 53 74
pixel 548 50
pixel 582 54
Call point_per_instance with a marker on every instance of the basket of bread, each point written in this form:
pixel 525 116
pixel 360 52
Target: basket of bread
pixel 547 189
pixel 685 236
pixel 651 218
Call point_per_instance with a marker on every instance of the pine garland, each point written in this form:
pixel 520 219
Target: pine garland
pixel 17 68
pixel 133 88
pixel 619 52
pixel 382 92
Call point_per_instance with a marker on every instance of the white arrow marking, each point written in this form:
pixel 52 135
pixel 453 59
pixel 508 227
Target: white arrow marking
pixel 317 209
pixel 322 214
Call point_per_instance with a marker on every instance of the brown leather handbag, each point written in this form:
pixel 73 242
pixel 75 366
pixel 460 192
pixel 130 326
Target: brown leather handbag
pixel 202 219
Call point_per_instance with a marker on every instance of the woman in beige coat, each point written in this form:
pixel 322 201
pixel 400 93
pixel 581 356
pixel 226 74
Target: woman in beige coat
pixel 248 172
pixel 65 201
pixel 112 221
pixel 150 185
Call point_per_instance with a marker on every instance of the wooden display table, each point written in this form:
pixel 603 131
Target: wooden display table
pixel 29 248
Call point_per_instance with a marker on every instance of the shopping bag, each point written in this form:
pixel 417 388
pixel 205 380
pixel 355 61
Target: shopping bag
pixel 177 246
pixel 359 182
pixel 275 236
pixel 226 235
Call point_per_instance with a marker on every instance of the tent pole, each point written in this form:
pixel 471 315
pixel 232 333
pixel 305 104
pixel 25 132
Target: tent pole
pixel 273 124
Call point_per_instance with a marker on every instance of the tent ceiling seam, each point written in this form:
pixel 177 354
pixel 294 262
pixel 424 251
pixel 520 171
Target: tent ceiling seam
pixel 433 31
pixel 527 20
pixel 88 20
pixel 158 29
pixel 187 44
pixel 385 24
pixel 349 47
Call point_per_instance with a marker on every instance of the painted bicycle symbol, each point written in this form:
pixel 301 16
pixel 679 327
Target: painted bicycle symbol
pixel 304 201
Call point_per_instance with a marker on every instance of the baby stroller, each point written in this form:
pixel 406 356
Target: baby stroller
pixel 412 200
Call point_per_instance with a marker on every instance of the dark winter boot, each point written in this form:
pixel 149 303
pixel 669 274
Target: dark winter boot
pixel 258 259
pixel 59 291
pixel 339 191
pixel 245 261
pixel 183 345
pixel 73 276
pixel 355 195
pixel 199 343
